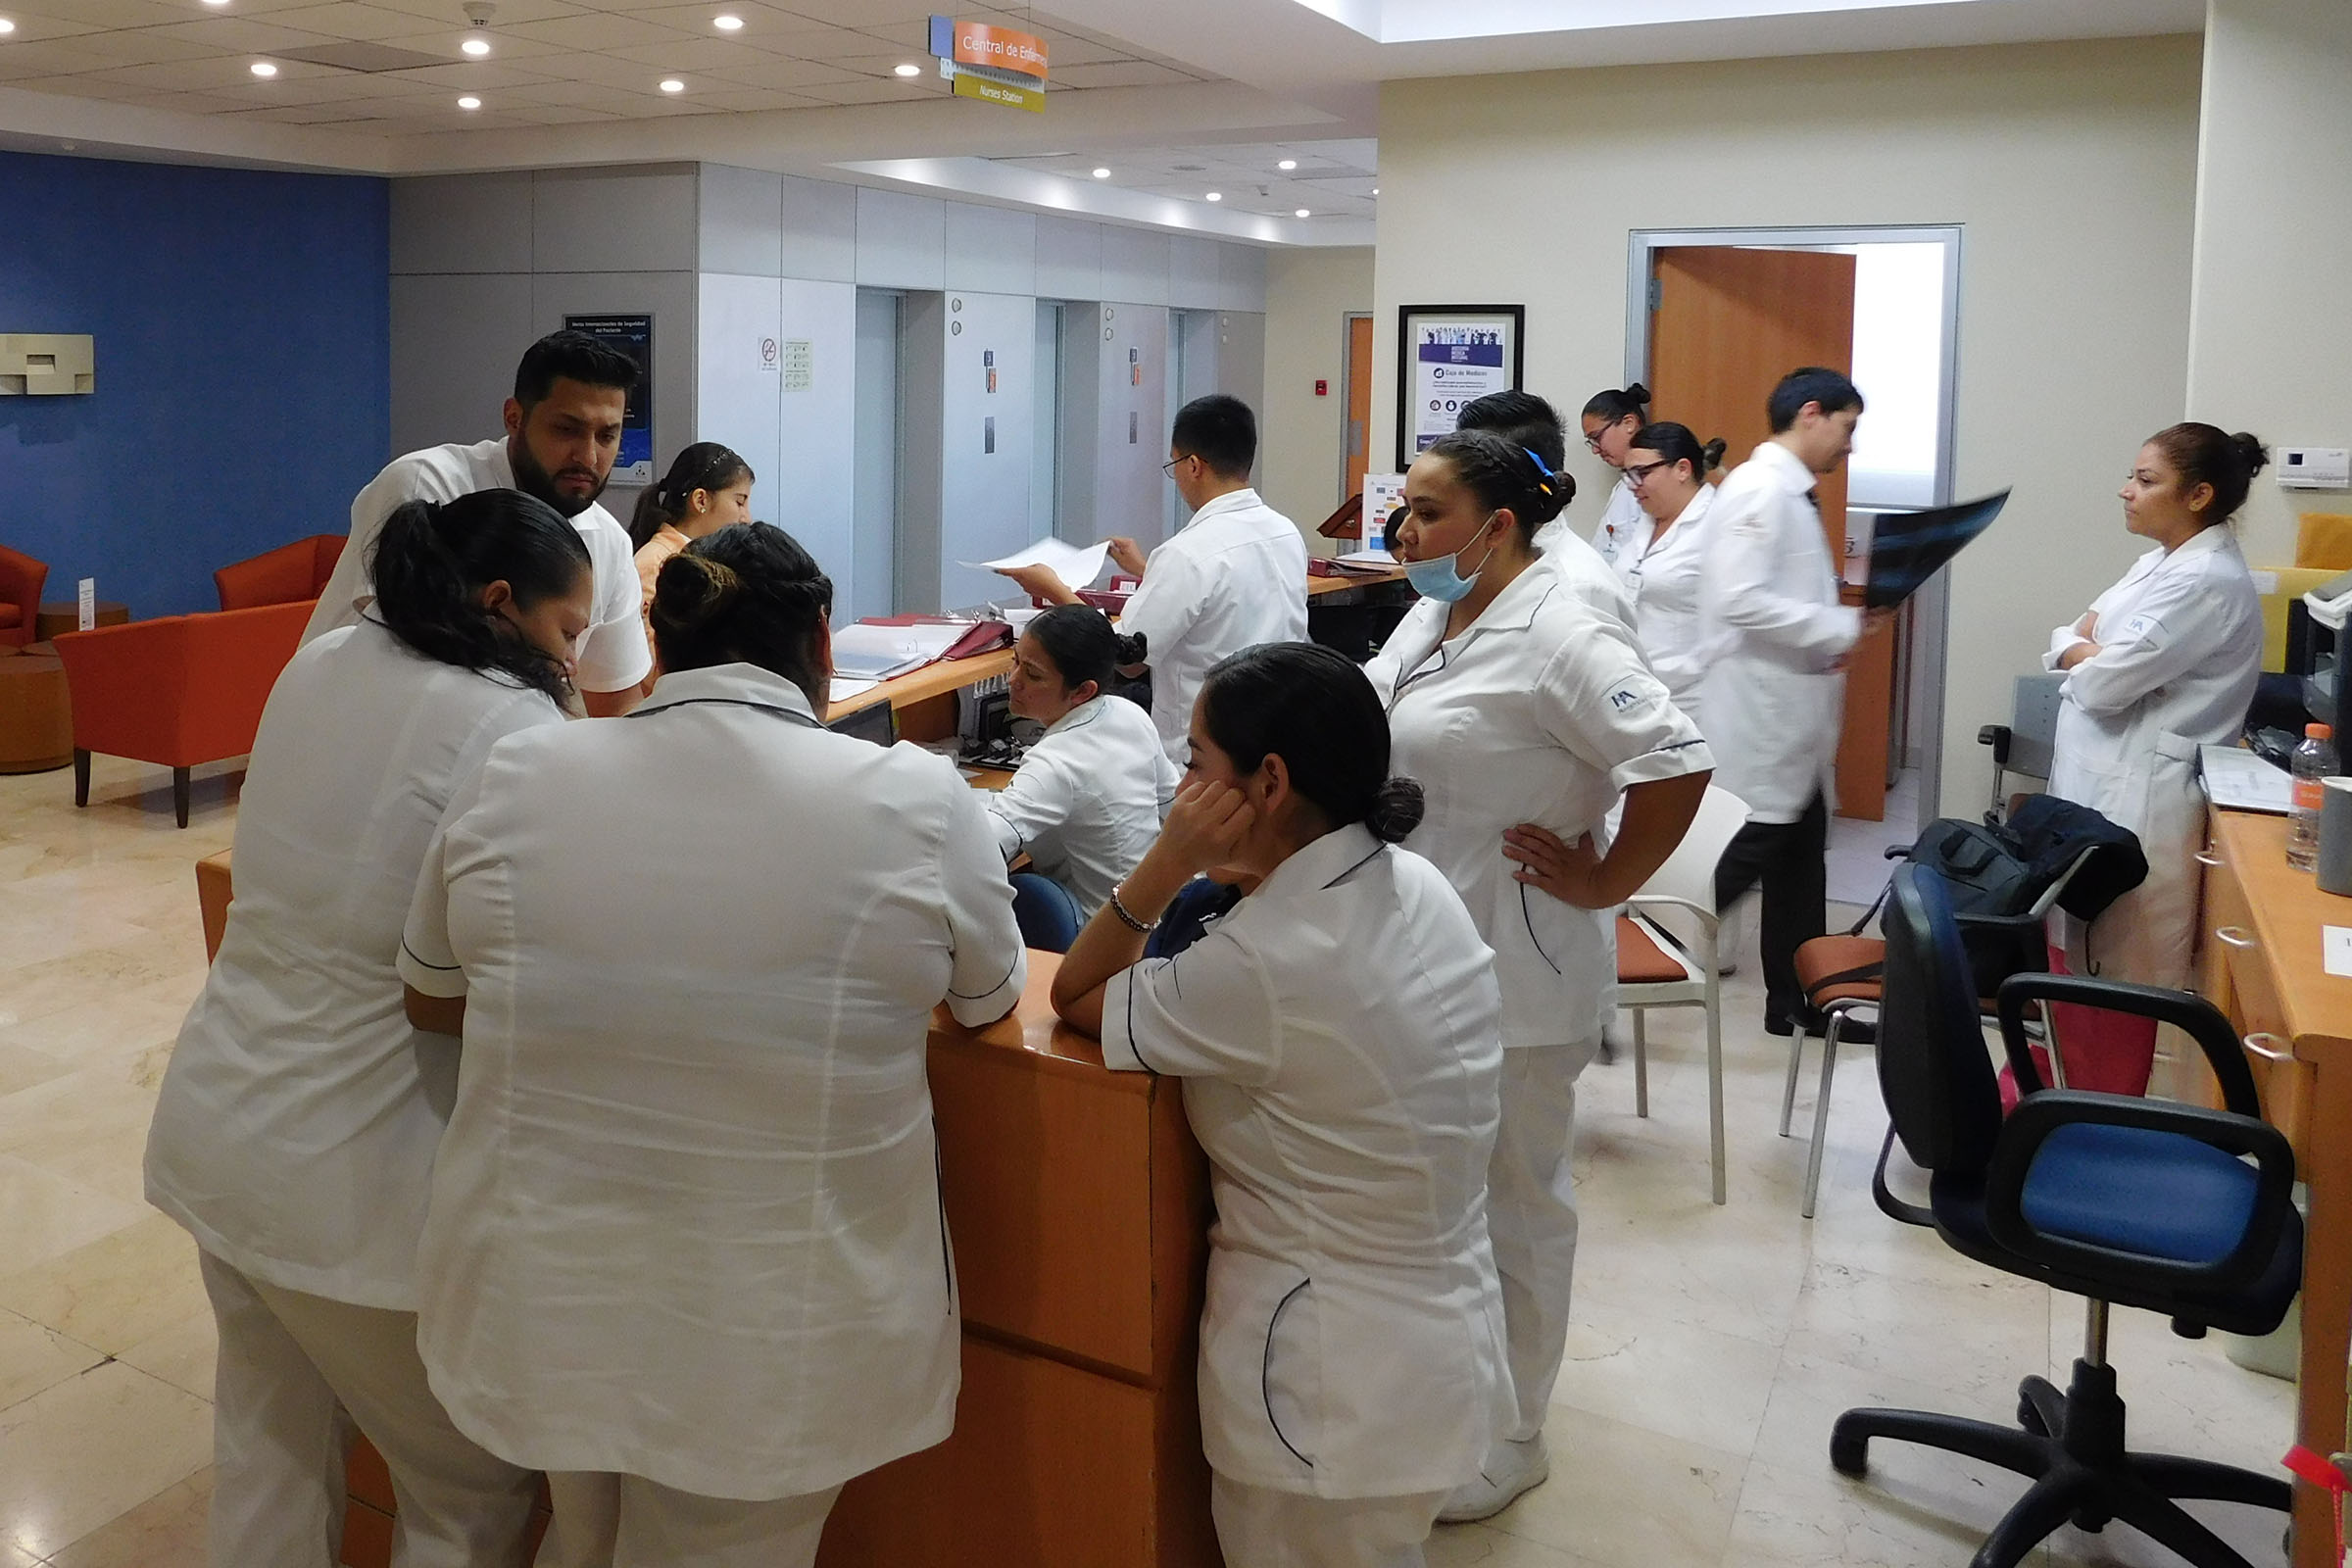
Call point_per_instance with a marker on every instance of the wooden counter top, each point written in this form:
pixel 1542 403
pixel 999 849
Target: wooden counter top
pixel 2287 911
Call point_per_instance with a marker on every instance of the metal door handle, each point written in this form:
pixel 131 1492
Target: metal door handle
pixel 2233 935
pixel 2276 1050
pixel 2208 858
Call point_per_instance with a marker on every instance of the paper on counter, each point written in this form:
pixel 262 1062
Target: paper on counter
pixel 1077 565
pixel 2336 950
pixel 2238 780
pixel 846 687
pixel 867 651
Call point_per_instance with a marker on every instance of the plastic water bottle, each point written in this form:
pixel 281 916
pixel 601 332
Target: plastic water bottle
pixel 2314 760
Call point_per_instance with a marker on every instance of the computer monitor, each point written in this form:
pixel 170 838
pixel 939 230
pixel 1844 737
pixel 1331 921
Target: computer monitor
pixel 876 721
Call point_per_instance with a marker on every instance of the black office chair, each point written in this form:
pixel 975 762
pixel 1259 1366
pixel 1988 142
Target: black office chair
pixel 2149 1203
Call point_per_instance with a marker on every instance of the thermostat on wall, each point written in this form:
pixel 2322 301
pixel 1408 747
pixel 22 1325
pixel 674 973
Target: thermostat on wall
pixel 2315 469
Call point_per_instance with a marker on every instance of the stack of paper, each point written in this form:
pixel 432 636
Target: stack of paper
pixel 867 651
pixel 1075 564
pixel 2238 780
pixel 1370 560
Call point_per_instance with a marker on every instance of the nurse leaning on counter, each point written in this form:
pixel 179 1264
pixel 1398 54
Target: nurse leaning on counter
pixel 1336 1037
pixel 1526 711
pixel 295 1133
pixel 685 1249
pixel 2162 662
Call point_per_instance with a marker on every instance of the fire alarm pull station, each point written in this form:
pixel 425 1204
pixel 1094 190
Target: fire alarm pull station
pixel 1322 389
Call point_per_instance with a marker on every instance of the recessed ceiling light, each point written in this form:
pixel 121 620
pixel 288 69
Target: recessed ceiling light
pixel 672 84
pixel 727 23
pixel 1301 213
pixel 906 70
pixel 469 102
pixel 6 26
pixel 1288 163
pixel 262 68
pixel 215 3
pixel 1102 173
pixel 1376 190
pixel 477 47
pixel 1216 195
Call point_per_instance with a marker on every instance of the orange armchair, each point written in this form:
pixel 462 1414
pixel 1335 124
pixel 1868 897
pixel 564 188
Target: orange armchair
pixel 280 576
pixel 21 579
pixel 178 691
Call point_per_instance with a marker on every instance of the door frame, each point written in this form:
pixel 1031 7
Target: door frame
pixel 1348 321
pixel 1642 246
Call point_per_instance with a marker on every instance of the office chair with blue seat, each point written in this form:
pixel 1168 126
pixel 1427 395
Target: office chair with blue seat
pixel 1049 918
pixel 2142 1203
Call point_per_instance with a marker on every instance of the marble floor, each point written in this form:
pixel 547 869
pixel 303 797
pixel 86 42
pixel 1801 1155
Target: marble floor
pixel 1711 1349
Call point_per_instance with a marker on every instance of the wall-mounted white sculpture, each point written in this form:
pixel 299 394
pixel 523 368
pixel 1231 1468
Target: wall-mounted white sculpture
pixel 47 363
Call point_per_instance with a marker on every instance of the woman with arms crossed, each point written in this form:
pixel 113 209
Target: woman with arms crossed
pixel 1335 1035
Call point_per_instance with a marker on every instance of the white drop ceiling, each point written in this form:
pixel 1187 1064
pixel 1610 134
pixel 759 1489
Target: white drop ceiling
pixel 551 61
pixel 1333 180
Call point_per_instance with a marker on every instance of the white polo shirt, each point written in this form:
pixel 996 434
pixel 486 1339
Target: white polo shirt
pixel 1542 711
pixel 686 1221
pixel 295 1131
pixel 1233 577
pixel 613 655
pixel 1088 800
pixel 1336 1037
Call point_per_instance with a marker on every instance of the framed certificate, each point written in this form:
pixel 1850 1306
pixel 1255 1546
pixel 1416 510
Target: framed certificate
pixel 1446 356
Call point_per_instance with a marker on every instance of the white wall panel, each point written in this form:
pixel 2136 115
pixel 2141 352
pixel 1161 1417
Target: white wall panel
pixel 1241 277
pixel 1070 259
pixel 461 224
pixel 742 213
pixel 990 250
pixel 820 230
pixel 613 221
pixel 902 240
pixel 815 489
pixel 1195 266
pixel 455 341
pixel 1134 266
pixel 739 395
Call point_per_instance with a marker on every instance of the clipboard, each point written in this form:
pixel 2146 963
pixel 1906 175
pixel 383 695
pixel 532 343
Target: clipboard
pixel 1907 548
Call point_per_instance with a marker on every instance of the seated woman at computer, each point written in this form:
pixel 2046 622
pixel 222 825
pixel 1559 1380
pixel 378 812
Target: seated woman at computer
pixel 1089 796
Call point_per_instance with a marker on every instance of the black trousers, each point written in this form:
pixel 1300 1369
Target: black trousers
pixel 1787 859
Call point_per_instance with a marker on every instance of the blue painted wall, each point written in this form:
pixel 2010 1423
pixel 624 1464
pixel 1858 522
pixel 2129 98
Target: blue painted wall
pixel 243 326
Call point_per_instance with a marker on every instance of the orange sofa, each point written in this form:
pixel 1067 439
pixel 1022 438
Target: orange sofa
pixel 178 691
pixel 280 576
pixel 21 579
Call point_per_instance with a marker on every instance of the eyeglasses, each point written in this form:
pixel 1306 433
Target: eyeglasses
pixel 1639 472
pixel 1170 467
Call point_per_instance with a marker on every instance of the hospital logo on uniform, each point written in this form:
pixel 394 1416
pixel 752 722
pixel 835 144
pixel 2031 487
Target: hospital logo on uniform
pixel 1623 697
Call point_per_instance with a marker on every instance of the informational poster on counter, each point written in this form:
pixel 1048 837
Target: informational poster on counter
pixel 632 335
pixel 1452 356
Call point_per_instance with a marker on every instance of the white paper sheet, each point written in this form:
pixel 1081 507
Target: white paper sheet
pixel 2237 780
pixel 2336 950
pixel 1365 561
pixel 844 688
pixel 1077 565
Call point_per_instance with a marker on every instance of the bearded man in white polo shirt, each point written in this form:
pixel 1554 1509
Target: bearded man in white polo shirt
pixel 563 433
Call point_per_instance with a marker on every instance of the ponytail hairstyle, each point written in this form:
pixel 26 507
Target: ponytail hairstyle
pixel 1312 707
pixel 1617 403
pixel 432 560
pixel 747 594
pixel 2203 454
pixel 1522 419
pixel 1504 477
pixel 704 466
pixel 1080 644
pixel 1676 444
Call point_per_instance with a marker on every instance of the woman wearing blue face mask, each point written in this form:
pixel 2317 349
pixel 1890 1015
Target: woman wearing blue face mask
pixel 1526 711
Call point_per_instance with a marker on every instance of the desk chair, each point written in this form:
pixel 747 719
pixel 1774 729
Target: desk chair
pixel 1842 974
pixel 1657 970
pixel 2148 1203
pixel 1049 918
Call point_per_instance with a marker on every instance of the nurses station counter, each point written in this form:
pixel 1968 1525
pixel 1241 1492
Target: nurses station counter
pixel 1078 1203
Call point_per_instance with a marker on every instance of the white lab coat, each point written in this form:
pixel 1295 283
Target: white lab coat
pixel 1620 520
pixel 1233 577
pixel 1663 578
pixel 613 655
pixel 1088 798
pixel 1773 695
pixel 685 1222
pixel 2180 648
pixel 1543 712
pixel 295 1131
pixel 1336 1034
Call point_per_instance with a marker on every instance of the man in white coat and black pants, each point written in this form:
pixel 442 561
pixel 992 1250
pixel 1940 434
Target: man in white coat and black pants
pixel 1775 688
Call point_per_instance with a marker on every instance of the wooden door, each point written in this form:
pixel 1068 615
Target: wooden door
pixel 1726 324
pixel 1360 402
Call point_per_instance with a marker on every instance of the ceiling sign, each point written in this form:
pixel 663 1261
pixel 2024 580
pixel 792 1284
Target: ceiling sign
pixel 994 65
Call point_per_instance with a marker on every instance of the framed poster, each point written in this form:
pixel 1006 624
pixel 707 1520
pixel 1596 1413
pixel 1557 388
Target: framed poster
pixel 1446 356
pixel 632 335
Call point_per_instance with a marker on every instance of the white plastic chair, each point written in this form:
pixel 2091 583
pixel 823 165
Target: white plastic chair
pixel 1648 953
